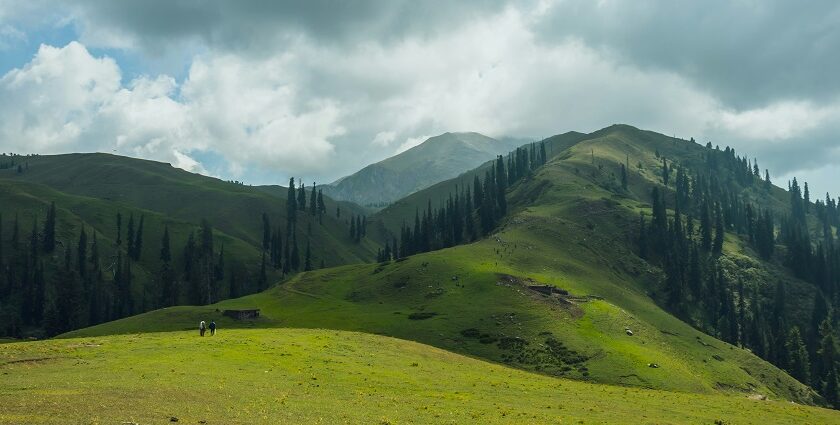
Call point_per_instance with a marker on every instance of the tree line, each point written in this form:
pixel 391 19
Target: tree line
pixel 469 212
pixel 50 286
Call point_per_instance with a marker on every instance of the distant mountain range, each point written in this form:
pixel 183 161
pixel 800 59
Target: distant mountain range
pixel 438 158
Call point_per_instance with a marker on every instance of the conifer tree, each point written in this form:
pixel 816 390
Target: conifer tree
pixel 295 254
pixel 623 177
pixel 301 197
pixel 313 201
pixel 307 264
pixel 291 207
pixel 262 280
pixel 719 231
pixel 266 232
pixel 130 236
pixel 49 230
pixel 138 240
pixel 169 289
pixel 119 229
pixel 287 257
pixel 81 254
pixel 798 364
pixel 806 198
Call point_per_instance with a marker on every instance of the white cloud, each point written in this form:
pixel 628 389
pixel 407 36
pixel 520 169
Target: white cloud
pixel 384 138
pixel 185 162
pixel 305 106
pixel 778 121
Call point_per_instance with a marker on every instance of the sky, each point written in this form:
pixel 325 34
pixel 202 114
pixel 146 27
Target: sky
pixel 259 91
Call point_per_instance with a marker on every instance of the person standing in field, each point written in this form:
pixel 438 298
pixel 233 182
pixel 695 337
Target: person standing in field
pixel 202 328
pixel 212 327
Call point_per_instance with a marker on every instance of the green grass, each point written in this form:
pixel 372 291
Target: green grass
pixel 381 299
pixel 320 376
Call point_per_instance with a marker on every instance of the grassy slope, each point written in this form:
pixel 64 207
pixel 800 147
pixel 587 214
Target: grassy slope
pixel 317 376
pixel 568 231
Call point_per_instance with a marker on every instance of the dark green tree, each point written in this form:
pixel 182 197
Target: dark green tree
pixel 291 207
pixel 49 230
pixel 798 364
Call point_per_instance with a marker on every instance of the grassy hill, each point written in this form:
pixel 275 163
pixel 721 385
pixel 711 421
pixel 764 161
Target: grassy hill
pixel 232 208
pixel 320 376
pixel 438 158
pixel 89 190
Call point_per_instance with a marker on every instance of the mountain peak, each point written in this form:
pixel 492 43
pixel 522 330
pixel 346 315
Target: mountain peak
pixel 438 158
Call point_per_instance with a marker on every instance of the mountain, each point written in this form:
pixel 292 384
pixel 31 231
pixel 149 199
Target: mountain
pixel 436 159
pixel 89 191
pixel 589 262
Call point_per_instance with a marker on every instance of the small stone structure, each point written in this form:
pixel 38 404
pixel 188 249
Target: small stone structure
pixel 250 314
pixel 548 289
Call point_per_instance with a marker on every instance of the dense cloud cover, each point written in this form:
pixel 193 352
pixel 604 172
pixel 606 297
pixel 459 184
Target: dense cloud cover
pixel 263 90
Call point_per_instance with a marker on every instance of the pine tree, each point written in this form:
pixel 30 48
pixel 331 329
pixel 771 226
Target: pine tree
pixel 719 231
pixel 501 186
pixel 262 281
pixel 206 272
pixel 81 254
pixel 291 206
pixel 15 240
pixel 798 364
pixel 301 197
pixel 307 264
pixel 623 177
pixel 643 243
pixel 266 232
pixel 138 240
pixel 119 229
pixel 130 236
pixel 169 289
pixel 287 257
pixel 49 230
pixel 313 201
pixel 295 254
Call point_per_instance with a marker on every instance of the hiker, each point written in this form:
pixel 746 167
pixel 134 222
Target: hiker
pixel 202 328
pixel 212 327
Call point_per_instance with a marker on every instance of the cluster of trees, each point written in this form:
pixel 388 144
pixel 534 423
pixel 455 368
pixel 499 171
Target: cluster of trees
pixel 523 160
pixel 14 161
pixel 358 227
pixel 469 212
pixel 53 286
pixel 687 245
pixel 283 253
pixel 296 201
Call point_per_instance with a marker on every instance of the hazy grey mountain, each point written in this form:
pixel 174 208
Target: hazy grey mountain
pixel 437 159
